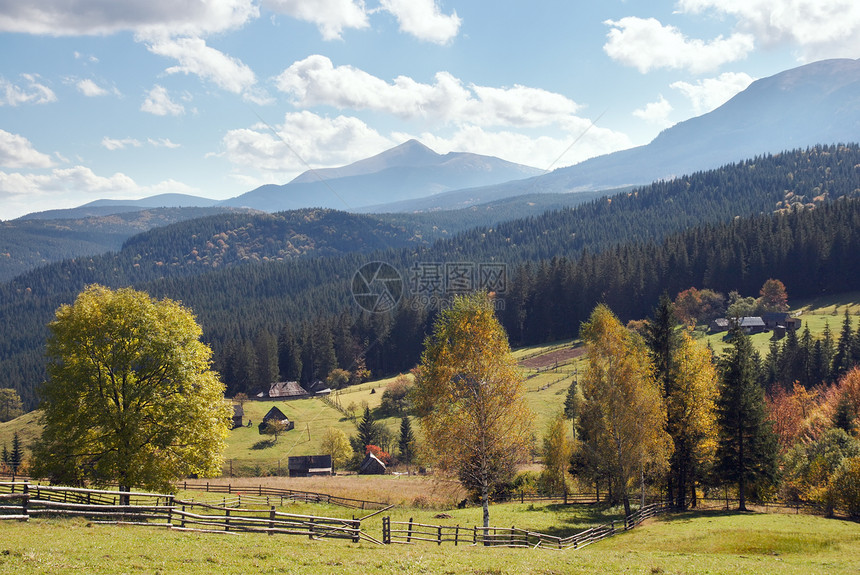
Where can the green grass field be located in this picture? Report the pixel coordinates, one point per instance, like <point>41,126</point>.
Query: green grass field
<point>690,543</point>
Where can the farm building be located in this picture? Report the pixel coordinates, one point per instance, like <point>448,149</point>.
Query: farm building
<point>308,465</point>
<point>719,325</point>
<point>276,415</point>
<point>284,390</point>
<point>371,466</point>
<point>238,416</point>
<point>751,325</point>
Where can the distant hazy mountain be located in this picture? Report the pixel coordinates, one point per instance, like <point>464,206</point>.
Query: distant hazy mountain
<point>818,103</point>
<point>99,208</point>
<point>410,170</point>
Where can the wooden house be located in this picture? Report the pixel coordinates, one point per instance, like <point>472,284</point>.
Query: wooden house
<point>276,415</point>
<point>238,416</point>
<point>371,465</point>
<point>308,465</point>
<point>287,390</point>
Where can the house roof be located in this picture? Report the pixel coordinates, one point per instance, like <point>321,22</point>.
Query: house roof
<point>276,415</point>
<point>286,389</point>
<point>309,462</point>
<point>751,322</point>
<point>371,462</point>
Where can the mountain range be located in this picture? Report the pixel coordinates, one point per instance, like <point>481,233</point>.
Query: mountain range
<point>818,103</point>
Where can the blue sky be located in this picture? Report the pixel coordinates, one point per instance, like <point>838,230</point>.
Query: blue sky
<point>125,99</point>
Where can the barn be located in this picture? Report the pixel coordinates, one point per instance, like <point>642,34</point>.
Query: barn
<point>308,465</point>
<point>277,415</point>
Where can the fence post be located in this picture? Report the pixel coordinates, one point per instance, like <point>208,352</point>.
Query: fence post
<point>474,535</point>
<point>409,531</point>
<point>386,530</point>
<point>311,527</point>
<point>227,520</point>
<point>512,535</point>
<point>170,510</point>
<point>456,534</point>
<point>25,501</point>
<point>439,541</point>
<point>182,524</point>
<point>271,518</point>
<point>356,525</point>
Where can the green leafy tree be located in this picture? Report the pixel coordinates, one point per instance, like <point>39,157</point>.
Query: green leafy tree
<point>130,396</point>
<point>747,446</point>
<point>336,443</point>
<point>10,404</point>
<point>469,396</point>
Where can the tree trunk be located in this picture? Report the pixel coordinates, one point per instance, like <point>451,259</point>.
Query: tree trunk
<point>742,496</point>
<point>485,502</point>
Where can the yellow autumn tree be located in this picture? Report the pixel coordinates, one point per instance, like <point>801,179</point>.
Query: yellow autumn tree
<point>130,396</point>
<point>692,409</point>
<point>623,420</point>
<point>470,399</point>
<point>557,450</point>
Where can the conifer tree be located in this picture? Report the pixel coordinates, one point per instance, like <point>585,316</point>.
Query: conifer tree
<point>406,441</point>
<point>747,446</point>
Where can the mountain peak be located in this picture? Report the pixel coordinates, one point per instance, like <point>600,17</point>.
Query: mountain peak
<point>411,153</point>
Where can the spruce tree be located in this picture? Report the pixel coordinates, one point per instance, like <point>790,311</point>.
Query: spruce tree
<point>367,432</point>
<point>746,444</point>
<point>406,442</point>
<point>842,360</point>
<point>663,341</point>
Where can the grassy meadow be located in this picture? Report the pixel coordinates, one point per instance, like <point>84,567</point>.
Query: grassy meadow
<point>690,543</point>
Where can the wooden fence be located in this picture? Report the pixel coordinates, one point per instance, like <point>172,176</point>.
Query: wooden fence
<point>283,494</point>
<point>23,501</point>
<point>407,532</point>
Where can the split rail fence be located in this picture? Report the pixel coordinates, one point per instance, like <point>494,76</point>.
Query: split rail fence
<point>22,501</point>
<point>408,532</point>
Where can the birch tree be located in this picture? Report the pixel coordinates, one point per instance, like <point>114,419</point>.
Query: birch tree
<point>470,399</point>
<point>623,416</point>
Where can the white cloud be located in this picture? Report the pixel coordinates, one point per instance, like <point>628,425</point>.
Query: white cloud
<point>710,93</point>
<point>304,140</point>
<point>310,140</point>
<point>34,92</point>
<point>162,143</point>
<point>90,89</point>
<point>103,17</point>
<point>114,144</point>
<point>646,44</point>
<point>332,17</point>
<point>656,113</point>
<point>195,57</point>
<point>158,102</point>
<point>17,152</point>
<point>315,81</point>
<point>26,192</point>
<point>828,29</point>
<point>423,19</point>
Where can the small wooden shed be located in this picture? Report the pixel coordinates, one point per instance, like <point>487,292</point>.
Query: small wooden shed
<point>276,414</point>
<point>238,416</point>
<point>308,465</point>
<point>371,465</point>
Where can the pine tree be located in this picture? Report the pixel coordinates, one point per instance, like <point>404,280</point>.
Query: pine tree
<point>842,358</point>
<point>406,442</point>
<point>367,432</point>
<point>663,341</point>
<point>746,446</point>
<point>16,455</point>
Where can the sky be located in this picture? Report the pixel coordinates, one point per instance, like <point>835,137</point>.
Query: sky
<point>132,98</point>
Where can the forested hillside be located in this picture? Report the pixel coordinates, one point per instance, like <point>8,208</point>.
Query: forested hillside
<point>28,243</point>
<point>619,250</point>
